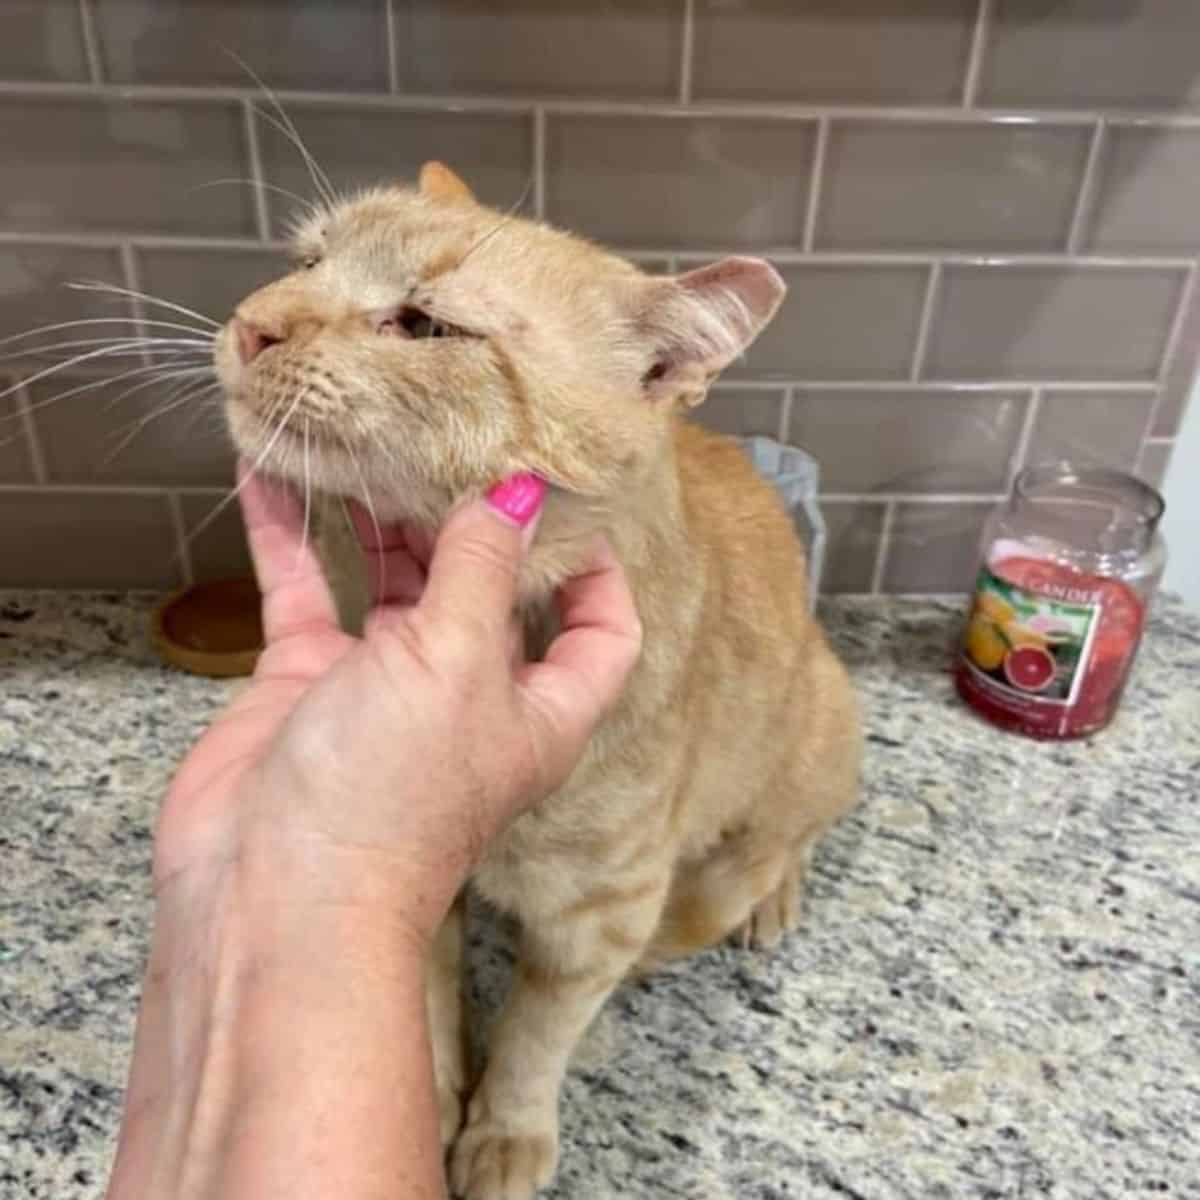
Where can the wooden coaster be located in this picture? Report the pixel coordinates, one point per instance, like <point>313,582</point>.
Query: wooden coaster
<point>212,629</point>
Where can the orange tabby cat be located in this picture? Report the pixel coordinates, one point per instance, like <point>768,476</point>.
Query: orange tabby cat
<point>425,348</point>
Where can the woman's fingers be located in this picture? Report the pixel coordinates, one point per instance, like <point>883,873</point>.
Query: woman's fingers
<point>586,667</point>
<point>295,595</point>
<point>472,581</point>
<point>393,557</point>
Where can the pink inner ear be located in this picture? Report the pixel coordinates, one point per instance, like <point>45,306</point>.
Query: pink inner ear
<point>755,282</point>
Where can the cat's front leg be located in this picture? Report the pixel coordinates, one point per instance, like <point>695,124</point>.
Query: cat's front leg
<point>447,1028</point>
<point>569,963</point>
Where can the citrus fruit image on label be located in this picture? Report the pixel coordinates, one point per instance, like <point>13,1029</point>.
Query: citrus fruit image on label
<point>1030,643</point>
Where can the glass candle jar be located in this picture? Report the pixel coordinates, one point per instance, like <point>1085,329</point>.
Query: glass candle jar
<point>1070,563</point>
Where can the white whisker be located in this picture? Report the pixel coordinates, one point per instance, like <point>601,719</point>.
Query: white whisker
<point>98,285</point>
<point>101,382</point>
<point>55,368</point>
<point>28,333</point>
<point>287,127</point>
<point>141,345</point>
<point>371,513</point>
<point>163,376</point>
<point>182,394</point>
<point>307,501</point>
<point>197,530</point>
<point>322,185</point>
<point>504,220</point>
<point>270,187</point>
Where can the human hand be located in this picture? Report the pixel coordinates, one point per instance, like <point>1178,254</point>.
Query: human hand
<point>364,769</point>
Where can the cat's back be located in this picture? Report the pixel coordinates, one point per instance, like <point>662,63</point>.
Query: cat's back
<point>738,522</point>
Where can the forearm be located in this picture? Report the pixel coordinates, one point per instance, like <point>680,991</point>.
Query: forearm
<point>279,1056</point>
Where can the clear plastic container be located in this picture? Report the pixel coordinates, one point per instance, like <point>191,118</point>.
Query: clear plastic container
<point>797,477</point>
<point>1070,564</point>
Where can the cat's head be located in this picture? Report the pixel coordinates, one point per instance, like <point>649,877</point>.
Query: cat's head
<point>426,347</point>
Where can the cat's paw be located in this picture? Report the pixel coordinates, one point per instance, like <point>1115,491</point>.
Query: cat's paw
<point>777,913</point>
<point>491,1162</point>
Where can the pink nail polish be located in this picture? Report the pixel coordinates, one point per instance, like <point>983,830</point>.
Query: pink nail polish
<point>519,497</point>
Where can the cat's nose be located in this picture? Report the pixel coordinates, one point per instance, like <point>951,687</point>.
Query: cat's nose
<point>251,339</point>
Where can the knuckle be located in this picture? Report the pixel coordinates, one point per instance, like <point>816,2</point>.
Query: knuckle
<point>483,552</point>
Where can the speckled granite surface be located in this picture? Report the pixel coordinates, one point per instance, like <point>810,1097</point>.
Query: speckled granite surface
<point>997,993</point>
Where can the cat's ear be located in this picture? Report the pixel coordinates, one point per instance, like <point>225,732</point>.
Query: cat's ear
<point>438,182</point>
<point>700,322</point>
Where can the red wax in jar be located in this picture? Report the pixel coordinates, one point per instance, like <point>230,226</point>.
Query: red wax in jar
<point>1012,673</point>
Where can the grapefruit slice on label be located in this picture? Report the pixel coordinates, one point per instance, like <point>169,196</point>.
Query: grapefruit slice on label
<point>1029,668</point>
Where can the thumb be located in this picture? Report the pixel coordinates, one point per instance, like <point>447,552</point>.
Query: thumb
<point>473,573</point>
<point>586,667</point>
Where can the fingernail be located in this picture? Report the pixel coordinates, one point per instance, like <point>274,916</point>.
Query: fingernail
<point>519,497</point>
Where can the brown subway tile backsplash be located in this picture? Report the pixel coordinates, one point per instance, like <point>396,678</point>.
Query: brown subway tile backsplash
<point>933,547</point>
<point>492,152</point>
<point>211,282</point>
<point>909,441</point>
<point>218,550</point>
<point>16,462</point>
<point>679,182</point>
<point>829,51</point>
<point>1103,427</point>
<point>42,40</point>
<point>1143,203</point>
<point>125,432</point>
<point>841,322</point>
<point>1020,322</point>
<point>34,293</point>
<point>921,186</point>
<point>742,411</point>
<point>852,532</point>
<point>340,46</point>
<point>626,48</point>
<point>986,215</point>
<point>104,165</point>
<point>86,540</point>
<point>1085,53</point>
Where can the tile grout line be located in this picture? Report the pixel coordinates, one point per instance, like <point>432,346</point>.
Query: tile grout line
<point>33,441</point>
<point>883,550</point>
<point>393,62</point>
<point>1170,347</point>
<point>539,163</point>
<point>133,281</point>
<point>785,414</point>
<point>814,184</point>
<point>183,549</point>
<point>262,213</point>
<point>91,43</point>
<point>1087,188</point>
<point>929,304</point>
<point>785,255</point>
<point>1021,450</point>
<point>687,43</point>
<point>483,103</point>
<point>975,54</point>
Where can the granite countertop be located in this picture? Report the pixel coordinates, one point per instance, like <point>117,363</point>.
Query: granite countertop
<point>996,993</point>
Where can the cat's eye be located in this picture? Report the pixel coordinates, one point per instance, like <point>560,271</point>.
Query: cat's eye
<point>413,322</point>
<point>309,262</point>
